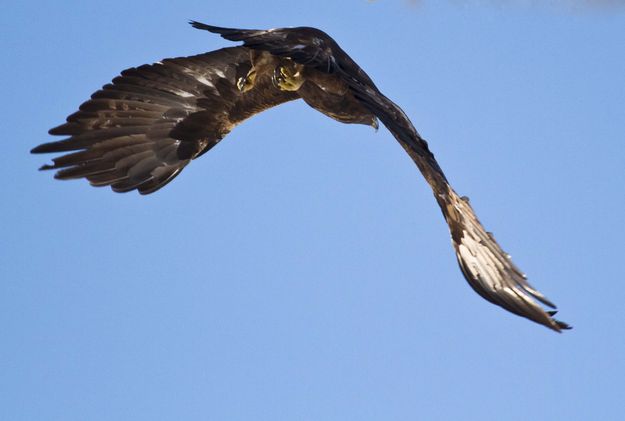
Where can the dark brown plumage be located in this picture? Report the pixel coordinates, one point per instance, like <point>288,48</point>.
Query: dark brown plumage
<point>141,130</point>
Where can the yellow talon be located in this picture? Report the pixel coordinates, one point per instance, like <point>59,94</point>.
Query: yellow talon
<point>247,82</point>
<point>287,81</point>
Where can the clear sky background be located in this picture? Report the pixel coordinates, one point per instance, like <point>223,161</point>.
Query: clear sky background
<point>302,270</point>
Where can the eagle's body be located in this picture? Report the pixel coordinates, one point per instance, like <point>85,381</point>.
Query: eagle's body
<point>140,131</point>
<point>324,92</point>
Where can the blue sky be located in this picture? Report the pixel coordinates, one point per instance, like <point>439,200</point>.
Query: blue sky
<point>302,270</point>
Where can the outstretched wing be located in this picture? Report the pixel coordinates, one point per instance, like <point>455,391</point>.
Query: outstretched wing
<point>487,268</point>
<point>141,130</point>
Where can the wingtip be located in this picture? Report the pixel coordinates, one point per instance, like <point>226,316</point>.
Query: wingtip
<point>209,28</point>
<point>540,297</point>
<point>196,24</point>
<point>59,130</point>
<point>46,147</point>
<point>556,324</point>
<point>39,149</point>
<point>562,325</point>
<point>230,34</point>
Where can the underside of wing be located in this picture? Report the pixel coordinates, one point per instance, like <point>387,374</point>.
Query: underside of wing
<point>489,270</point>
<point>486,267</point>
<point>142,129</point>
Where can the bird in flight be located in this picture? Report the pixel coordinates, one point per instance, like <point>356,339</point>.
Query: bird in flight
<point>140,131</point>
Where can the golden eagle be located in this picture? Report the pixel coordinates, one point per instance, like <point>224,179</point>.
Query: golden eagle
<point>141,130</point>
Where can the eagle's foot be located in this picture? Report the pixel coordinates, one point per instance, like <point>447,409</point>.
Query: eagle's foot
<point>246,82</point>
<point>287,77</point>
